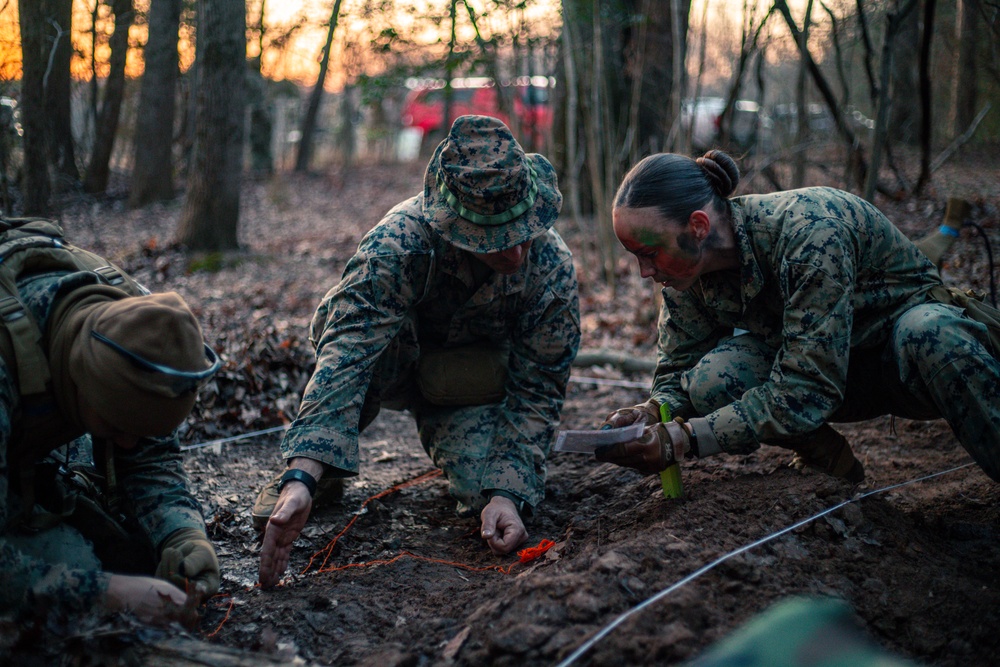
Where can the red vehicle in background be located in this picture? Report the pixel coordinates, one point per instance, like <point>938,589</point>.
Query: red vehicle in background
<point>424,106</point>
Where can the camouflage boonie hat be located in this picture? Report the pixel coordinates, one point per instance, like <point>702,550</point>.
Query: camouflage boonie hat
<point>483,193</point>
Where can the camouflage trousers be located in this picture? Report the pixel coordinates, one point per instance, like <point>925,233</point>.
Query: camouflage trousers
<point>456,437</point>
<point>936,364</point>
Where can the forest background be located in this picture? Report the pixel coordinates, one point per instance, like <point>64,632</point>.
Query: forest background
<point>237,151</point>
<point>168,97</point>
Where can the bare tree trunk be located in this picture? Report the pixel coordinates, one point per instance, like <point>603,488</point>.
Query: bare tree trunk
<point>95,87</point>
<point>308,127</point>
<point>261,121</point>
<point>845,90</point>
<point>597,146</point>
<point>968,73</point>
<point>684,145</point>
<point>869,57</point>
<point>893,23</point>
<point>211,211</point>
<point>749,38</point>
<point>345,137</point>
<point>574,160</point>
<point>927,36</point>
<point>449,75</point>
<point>35,49</point>
<point>623,56</point>
<point>802,104</point>
<point>505,100</point>
<point>855,155</point>
<point>62,154</point>
<point>637,66</point>
<point>153,170</point>
<point>98,171</point>
<point>679,11</point>
<point>903,82</point>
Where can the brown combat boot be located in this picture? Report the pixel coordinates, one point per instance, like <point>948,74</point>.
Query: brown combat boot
<point>328,489</point>
<point>827,451</point>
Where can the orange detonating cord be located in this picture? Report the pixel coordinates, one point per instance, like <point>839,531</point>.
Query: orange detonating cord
<point>531,553</point>
<point>526,555</point>
<point>229,611</point>
<point>427,559</point>
<point>328,549</point>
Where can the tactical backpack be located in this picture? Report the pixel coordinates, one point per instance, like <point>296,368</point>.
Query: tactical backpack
<point>37,245</point>
<point>33,246</point>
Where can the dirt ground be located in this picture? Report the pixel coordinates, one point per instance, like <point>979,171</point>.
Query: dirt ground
<point>913,550</point>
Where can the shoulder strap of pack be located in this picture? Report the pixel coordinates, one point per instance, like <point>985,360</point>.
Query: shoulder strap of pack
<point>36,245</point>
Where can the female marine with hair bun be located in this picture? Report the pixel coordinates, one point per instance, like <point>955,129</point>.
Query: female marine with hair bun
<point>784,312</point>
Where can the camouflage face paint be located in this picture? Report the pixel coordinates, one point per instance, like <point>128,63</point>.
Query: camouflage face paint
<point>667,253</point>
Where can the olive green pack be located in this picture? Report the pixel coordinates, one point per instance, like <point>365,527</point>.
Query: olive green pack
<point>37,245</point>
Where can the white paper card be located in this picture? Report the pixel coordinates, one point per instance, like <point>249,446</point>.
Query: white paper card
<point>587,441</point>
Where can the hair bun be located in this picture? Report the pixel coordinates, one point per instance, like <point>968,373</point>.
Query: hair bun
<point>721,171</point>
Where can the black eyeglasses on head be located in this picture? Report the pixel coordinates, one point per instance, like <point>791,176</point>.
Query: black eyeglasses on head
<point>180,382</point>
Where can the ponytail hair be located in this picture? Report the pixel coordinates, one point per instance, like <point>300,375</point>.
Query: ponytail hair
<point>677,186</point>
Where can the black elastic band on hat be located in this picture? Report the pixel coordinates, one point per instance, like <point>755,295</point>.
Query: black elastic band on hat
<point>515,211</point>
<point>181,382</point>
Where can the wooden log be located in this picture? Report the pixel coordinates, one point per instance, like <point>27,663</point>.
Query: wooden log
<point>188,652</point>
<point>622,360</point>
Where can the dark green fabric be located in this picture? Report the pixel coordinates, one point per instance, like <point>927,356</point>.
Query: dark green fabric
<point>468,375</point>
<point>800,632</point>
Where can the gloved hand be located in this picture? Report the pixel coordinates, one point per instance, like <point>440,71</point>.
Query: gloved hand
<point>188,559</point>
<point>647,413</point>
<point>827,451</point>
<point>660,446</point>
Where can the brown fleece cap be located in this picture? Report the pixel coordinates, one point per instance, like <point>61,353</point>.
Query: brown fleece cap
<point>161,329</point>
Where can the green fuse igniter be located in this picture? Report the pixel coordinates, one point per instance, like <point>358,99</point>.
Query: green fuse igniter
<point>670,478</point>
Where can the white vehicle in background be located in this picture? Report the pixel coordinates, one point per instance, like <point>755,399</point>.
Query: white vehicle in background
<point>702,119</point>
<point>10,116</point>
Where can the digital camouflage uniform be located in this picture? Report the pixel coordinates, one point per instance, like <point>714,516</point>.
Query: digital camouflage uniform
<point>55,570</point>
<point>840,327</point>
<point>407,291</point>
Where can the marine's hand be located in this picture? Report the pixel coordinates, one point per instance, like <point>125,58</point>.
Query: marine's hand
<point>659,446</point>
<point>188,559</point>
<point>502,527</point>
<point>153,601</point>
<point>647,413</point>
<point>287,520</point>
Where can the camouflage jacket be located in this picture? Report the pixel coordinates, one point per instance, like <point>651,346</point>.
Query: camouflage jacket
<point>152,484</point>
<point>821,272</point>
<point>405,271</point>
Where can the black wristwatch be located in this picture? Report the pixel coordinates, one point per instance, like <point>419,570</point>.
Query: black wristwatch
<point>296,475</point>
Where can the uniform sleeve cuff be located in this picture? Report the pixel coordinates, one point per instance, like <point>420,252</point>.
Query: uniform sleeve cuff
<point>707,443</point>
<point>518,502</point>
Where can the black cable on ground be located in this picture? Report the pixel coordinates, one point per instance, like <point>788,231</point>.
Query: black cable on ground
<point>989,256</point>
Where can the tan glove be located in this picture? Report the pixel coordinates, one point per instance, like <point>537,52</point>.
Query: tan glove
<point>658,448</point>
<point>827,451</point>
<point>188,559</point>
<point>646,413</point>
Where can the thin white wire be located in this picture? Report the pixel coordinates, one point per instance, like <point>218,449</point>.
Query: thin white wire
<point>583,648</point>
<point>275,429</point>
<point>234,438</point>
